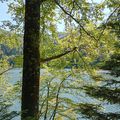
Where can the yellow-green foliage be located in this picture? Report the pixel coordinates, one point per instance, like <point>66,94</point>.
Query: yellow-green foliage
<point>18,60</point>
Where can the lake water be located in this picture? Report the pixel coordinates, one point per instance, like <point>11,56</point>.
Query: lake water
<point>111,105</point>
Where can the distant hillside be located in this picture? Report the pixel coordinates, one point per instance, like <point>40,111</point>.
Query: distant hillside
<point>5,49</point>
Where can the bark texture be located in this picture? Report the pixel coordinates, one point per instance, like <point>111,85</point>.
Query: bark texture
<point>31,62</point>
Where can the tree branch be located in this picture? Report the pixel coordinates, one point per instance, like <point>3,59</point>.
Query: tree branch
<point>57,56</point>
<point>6,70</point>
<point>77,21</point>
<point>48,94</point>
<point>105,25</point>
<point>41,1</point>
<point>57,98</point>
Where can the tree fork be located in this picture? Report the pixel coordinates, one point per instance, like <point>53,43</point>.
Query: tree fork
<point>31,61</point>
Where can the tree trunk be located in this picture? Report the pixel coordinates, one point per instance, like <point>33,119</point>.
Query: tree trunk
<point>31,62</point>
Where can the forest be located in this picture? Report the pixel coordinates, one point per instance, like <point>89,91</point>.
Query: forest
<point>60,60</point>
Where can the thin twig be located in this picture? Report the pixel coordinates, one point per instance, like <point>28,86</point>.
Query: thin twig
<point>48,87</point>
<point>42,105</point>
<point>85,64</point>
<point>106,23</point>
<point>77,21</point>
<point>6,70</point>
<point>57,98</point>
